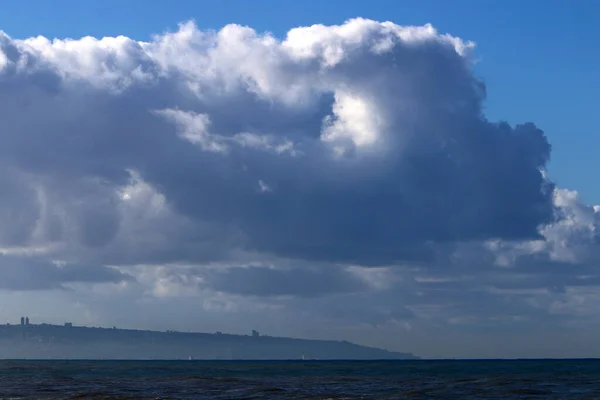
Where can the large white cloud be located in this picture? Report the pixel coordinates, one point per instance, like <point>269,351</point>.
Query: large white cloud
<point>235,162</point>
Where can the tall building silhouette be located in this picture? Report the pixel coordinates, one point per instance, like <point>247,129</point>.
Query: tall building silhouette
<point>22,321</point>
<point>26,320</point>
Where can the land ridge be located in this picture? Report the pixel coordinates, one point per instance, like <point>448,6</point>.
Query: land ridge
<point>47,341</point>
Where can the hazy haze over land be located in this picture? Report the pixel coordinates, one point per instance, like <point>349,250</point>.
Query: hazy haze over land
<point>338,182</point>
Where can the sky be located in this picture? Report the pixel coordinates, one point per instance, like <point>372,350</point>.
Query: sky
<point>417,176</point>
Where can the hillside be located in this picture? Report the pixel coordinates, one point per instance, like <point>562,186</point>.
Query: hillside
<point>46,341</point>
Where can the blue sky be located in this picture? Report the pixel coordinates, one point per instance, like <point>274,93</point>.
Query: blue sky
<point>341,184</point>
<point>538,59</point>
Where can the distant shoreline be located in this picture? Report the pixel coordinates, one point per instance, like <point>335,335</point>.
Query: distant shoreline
<point>46,341</point>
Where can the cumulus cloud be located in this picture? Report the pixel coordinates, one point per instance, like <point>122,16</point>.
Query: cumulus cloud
<point>289,164</point>
<point>392,148</point>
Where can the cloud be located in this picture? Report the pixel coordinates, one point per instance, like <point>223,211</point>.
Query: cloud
<point>296,281</point>
<point>35,273</point>
<point>369,136</point>
<point>250,166</point>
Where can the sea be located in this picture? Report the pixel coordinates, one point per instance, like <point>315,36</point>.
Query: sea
<point>420,379</point>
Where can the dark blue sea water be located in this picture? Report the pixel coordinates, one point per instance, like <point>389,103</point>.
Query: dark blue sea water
<point>547,379</point>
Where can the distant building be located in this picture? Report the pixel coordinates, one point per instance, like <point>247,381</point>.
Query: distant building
<point>69,324</point>
<point>22,321</point>
<point>26,320</point>
<point>255,333</point>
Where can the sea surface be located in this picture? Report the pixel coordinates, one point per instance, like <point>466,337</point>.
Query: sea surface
<point>527,379</point>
